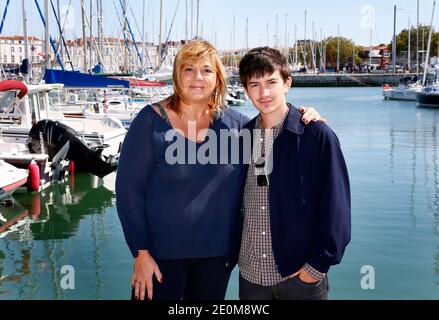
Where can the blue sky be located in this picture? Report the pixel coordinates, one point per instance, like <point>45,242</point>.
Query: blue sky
<point>217,17</point>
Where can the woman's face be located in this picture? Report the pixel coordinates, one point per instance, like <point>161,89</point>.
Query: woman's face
<point>198,80</point>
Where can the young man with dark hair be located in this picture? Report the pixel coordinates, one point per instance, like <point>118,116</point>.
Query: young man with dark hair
<point>297,218</point>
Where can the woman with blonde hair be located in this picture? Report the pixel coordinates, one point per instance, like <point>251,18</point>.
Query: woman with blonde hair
<point>181,215</point>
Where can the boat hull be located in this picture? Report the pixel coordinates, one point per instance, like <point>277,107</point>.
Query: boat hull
<point>428,99</point>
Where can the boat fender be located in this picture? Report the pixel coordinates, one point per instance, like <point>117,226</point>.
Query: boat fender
<point>33,180</point>
<point>72,167</point>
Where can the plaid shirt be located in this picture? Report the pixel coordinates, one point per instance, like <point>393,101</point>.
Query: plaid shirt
<point>256,258</point>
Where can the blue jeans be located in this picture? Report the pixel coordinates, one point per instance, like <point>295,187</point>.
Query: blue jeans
<point>290,289</point>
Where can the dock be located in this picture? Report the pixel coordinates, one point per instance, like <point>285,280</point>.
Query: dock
<point>343,79</point>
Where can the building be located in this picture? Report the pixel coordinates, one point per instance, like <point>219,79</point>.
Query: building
<point>378,55</point>
<point>12,50</point>
<point>119,55</point>
<point>116,55</point>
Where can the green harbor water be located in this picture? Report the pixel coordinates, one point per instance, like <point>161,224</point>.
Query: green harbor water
<point>391,149</point>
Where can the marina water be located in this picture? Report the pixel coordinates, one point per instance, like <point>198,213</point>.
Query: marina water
<point>391,149</point>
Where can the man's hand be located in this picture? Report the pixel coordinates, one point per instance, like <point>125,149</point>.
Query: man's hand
<point>305,277</point>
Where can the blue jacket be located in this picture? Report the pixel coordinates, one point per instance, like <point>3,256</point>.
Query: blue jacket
<point>178,211</point>
<point>309,196</point>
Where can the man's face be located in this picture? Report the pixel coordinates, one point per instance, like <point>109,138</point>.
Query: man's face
<point>268,92</point>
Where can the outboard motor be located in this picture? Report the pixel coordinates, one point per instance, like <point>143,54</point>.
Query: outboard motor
<point>60,141</point>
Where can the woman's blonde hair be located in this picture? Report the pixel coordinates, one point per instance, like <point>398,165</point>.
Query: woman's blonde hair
<point>190,52</point>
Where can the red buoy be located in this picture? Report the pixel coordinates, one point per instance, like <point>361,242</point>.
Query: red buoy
<point>33,180</point>
<point>72,167</point>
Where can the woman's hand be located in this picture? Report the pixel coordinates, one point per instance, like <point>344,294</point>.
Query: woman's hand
<point>145,268</point>
<point>310,114</point>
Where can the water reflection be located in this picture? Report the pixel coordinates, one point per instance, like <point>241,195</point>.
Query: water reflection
<point>38,231</point>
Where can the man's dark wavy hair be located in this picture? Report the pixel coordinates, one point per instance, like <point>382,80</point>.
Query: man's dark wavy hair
<point>262,61</point>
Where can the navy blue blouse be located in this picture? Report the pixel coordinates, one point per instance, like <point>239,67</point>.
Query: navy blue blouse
<point>185,209</point>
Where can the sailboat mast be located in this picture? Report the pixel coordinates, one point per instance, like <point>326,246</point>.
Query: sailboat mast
<point>394,41</point>
<point>371,36</point>
<point>233,36</point>
<point>429,45</point>
<point>295,46</point>
<point>246,34</point>
<point>160,35</point>
<point>91,35</point>
<point>192,19</point>
<point>276,39</point>
<point>26,40</point>
<point>84,36</point>
<point>417,40</point>
<point>312,46</point>
<point>60,31</point>
<point>286,35</point>
<point>321,49</point>
<point>338,48</point>
<point>409,47</point>
<point>101,30</point>
<point>304,51</point>
<point>198,17</point>
<point>143,35</point>
<point>47,35</point>
<point>268,37</point>
<point>124,30</point>
<point>185,25</point>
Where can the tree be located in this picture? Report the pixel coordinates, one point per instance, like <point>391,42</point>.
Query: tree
<point>330,44</point>
<point>402,42</point>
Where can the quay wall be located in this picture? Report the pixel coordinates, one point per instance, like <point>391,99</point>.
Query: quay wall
<point>346,80</point>
<point>343,79</point>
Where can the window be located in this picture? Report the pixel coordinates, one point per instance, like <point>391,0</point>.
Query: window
<point>20,49</point>
<point>12,49</point>
<point>42,101</point>
<point>5,58</point>
<point>13,59</point>
<point>33,100</point>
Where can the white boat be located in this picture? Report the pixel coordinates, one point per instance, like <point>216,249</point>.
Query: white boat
<point>42,171</point>
<point>103,137</point>
<point>406,90</point>
<point>11,178</point>
<point>235,96</point>
<point>231,101</point>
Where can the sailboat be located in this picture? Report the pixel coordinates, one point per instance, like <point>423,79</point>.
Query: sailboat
<point>408,86</point>
<point>11,178</point>
<point>429,96</point>
<point>406,90</point>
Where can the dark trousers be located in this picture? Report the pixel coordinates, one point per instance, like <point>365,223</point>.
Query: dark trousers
<point>290,289</point>
<point>191,279</point>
